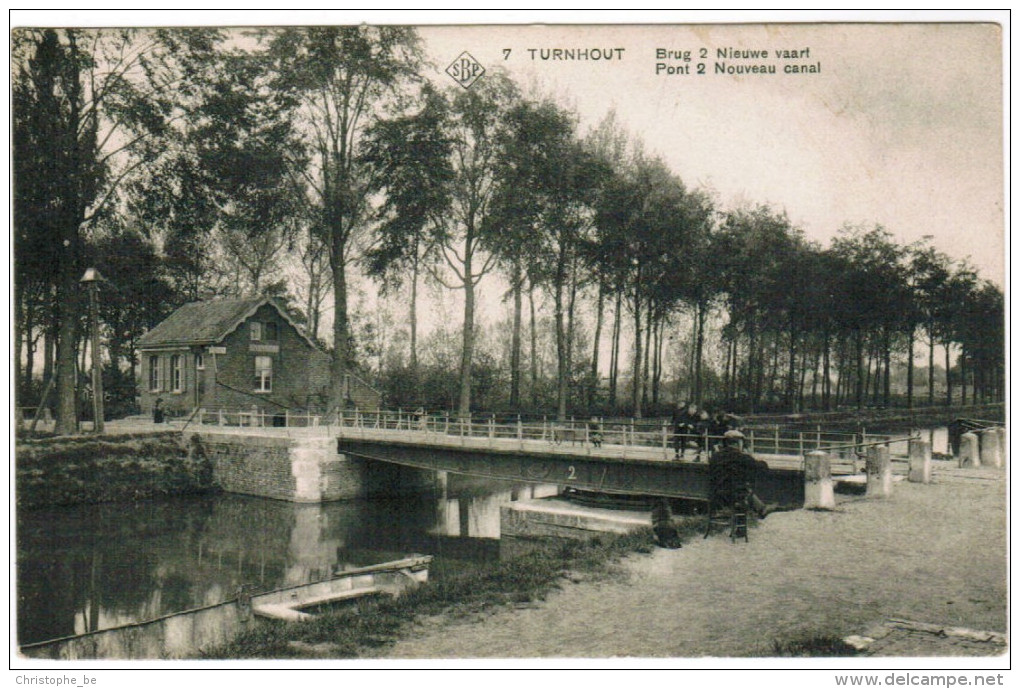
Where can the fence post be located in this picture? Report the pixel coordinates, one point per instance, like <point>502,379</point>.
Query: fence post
<point>665,444</point>
<point>750,441</point>
<point>492,428</point>
<point>777,439</point>
<point>800,443</point>
<point>219,412</point>
<point>818,437</point>
<point>520,432</point>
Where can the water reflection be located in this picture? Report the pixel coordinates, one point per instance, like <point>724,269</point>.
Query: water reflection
<point>93,567</point>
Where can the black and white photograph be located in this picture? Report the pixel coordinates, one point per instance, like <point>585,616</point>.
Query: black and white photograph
<point>675,343</point>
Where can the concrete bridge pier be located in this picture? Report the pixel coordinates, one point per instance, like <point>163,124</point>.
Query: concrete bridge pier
<point>301,469</point>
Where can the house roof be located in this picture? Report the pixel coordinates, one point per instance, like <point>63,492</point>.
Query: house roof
<point>208,322</point>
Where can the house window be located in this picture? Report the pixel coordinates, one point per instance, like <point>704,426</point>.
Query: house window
<point>176,379</point>
<point>271,332</point>
<point>256,331</point>
<point>153,374</point>
<point>199,363</point>
<point>263,373</point>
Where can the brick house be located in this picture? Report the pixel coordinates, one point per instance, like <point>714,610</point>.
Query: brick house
<point>238,353</point>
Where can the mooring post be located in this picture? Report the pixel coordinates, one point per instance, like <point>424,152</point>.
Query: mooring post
<point>991,453</point>
<point>818,490</point>
<point>1001,430</point>
<point>969,450</point>
<point>879,470</point>
<point>920,461</point>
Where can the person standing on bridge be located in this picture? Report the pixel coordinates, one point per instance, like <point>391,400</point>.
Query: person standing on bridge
<point>733,471</point>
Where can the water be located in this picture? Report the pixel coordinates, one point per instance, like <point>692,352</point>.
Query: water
<point>93,567</point>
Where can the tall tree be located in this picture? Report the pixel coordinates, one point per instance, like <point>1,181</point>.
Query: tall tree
<point>546,194</point>
<point>409,159</point>
<point>106,100</point>
<point>477,118</point>
<point>342,77</point>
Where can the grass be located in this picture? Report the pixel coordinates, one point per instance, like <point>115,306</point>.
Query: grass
<point>819,646</point>
<point>521,580</point>
<point>88,469</point>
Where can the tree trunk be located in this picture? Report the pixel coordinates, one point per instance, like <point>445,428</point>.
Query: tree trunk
<point>413,317</point>
<point>515,341</point>
<point>791,373</point>
<point>571,304</point>
<point>21,333</point>
<point>949,382</point>
<point>826,373</point>
<point>931,370</point>
<point>887,364</point>
<point>593,383</point>
<point>614,356</point>
<point>647,352</point>
<point>636,387</point>
<point>561,344</point>
<point>963,380</point>
<point>699,345</point>
<point>859,357</point>
<point>341,362</point>
<point>534,348</point>
<point>468,350</point>
<point>910,369</point>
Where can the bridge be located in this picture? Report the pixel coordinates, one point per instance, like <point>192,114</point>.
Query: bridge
<point>624,458</point>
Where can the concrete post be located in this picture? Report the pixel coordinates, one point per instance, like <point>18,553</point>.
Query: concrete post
<point>969,453</point>
<point>1001,430</point>
<point>879,470</point>
<point>818,494</point>
<point>991,452</point>
<point>920,462</point>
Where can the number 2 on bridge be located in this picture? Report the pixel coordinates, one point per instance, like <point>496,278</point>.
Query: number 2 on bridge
<point>571,473</point>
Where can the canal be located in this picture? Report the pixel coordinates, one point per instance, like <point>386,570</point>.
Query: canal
<point>99,566</point>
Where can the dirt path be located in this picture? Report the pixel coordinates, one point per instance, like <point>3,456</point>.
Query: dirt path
<point>932,553</point>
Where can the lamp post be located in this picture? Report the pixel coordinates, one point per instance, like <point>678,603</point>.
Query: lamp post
<point>91,280</point>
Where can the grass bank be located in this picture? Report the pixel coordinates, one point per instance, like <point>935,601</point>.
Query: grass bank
<point>74,470</point>
<point>511,583</point>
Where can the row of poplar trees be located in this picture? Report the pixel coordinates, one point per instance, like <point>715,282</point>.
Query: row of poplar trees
<point>188,163</point>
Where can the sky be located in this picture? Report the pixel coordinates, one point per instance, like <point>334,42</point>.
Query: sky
<point>897,124</point>
<point>901,126</point>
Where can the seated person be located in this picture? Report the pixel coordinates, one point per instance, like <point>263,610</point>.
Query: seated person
<point>733,474</point>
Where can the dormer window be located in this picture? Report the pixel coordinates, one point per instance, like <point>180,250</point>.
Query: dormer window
<point>256,331</point>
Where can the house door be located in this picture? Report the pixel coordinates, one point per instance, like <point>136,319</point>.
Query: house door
<point>199,379</point>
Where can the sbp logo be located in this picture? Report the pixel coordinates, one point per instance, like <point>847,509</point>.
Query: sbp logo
<point>465,70</point>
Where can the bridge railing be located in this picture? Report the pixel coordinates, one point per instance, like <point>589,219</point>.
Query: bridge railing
<point>605,437</point>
